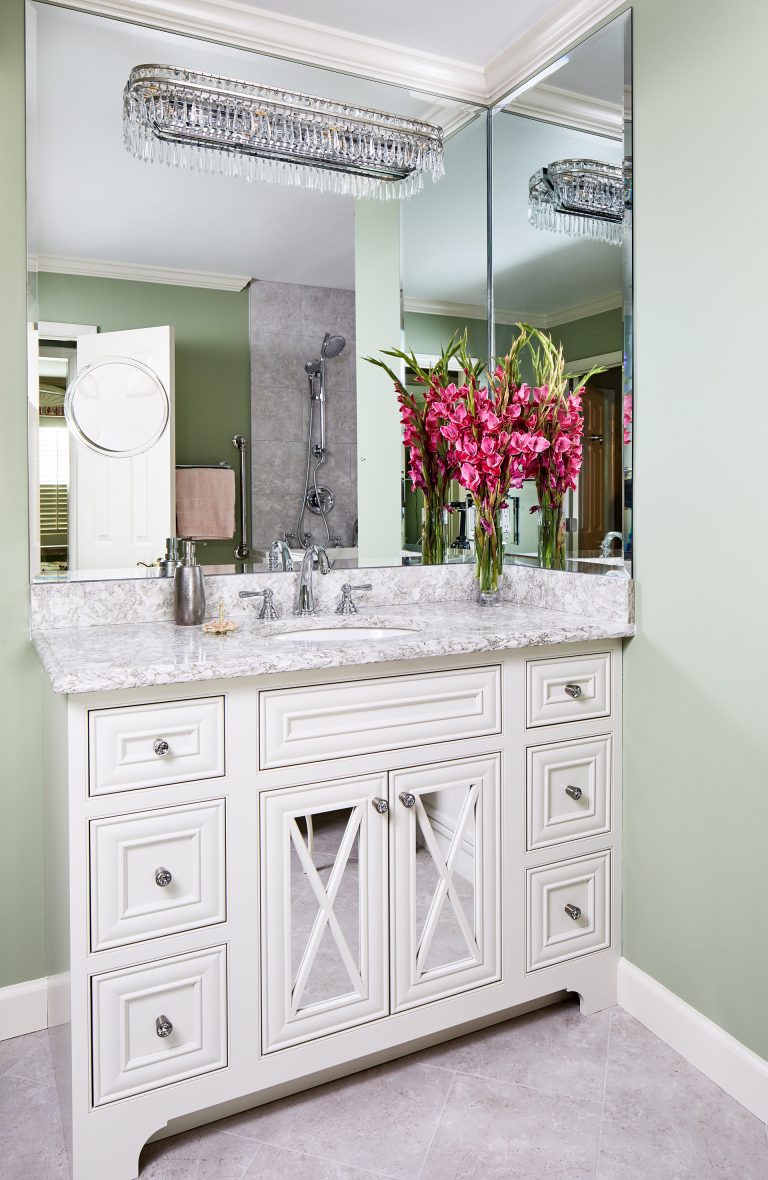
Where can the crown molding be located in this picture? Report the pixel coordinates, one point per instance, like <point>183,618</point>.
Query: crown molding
<point>553,105</point>
<point>230,23</point>
<point>96,268</point>
<point>538,319</point>
<point>544,42</point>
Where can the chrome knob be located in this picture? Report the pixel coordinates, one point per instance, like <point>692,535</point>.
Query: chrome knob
<point>407,799</point>
<point>381,806</point>
<point>161,747</point>
<point>573,690</point>
<point>573,911</point>
<point>163,1027</point>
<point>574,792</point>
<point>163,877</point>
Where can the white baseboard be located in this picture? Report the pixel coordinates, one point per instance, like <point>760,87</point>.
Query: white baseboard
<point>23,1008</point>
<point>718,1055</point>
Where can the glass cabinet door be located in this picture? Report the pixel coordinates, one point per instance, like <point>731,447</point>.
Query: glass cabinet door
<point>324,908</point>
<point>444,867</point>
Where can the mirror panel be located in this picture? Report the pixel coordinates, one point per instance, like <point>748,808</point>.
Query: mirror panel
<point>248,281</point>
<point>577,288</point>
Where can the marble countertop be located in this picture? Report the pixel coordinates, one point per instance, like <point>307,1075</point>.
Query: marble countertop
<point>136,655</point>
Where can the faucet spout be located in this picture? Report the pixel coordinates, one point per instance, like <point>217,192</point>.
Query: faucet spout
<point>607,541</point>
<point>315,553</point>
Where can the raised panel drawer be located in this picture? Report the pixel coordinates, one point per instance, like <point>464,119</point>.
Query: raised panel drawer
<point>303,725</point>
<point>156,873</point>
<point>568,789</point>
<point>154,745</point>
<point>132,1008</point>
<point>569,909</point>
<point>575,688</point>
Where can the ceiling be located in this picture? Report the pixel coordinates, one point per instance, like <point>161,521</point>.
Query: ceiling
<point>447,28</point>
<point>93,201</point>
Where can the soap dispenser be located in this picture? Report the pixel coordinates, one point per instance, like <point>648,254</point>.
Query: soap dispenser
<point>188,590</point>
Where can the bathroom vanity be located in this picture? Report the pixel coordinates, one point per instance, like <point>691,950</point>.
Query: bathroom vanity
<point>270,863</point>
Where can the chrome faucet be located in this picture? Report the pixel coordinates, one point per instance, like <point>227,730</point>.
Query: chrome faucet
<point>607,541</point>
<point>306,603</point>
<point>279,557</point>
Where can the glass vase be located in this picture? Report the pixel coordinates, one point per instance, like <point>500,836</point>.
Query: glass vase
<point>434,530</point>
<point>552,537</point>
<point>489,561</point>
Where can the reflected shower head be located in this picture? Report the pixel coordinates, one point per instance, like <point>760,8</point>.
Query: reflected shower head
<point>332,346</point>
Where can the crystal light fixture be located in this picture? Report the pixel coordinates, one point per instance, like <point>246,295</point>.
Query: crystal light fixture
<point>212,124</point>
<point>584,198</point>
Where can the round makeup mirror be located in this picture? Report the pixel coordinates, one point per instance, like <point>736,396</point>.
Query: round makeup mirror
<point>117,406</point>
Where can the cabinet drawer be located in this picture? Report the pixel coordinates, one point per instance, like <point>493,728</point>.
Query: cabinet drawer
<point>568,909</point>
<point>568,790</point>
<point>132,859</point>
<point>575,688</point>
<point>152,745</point>
<point>341,720</point>
<point>184,998</point>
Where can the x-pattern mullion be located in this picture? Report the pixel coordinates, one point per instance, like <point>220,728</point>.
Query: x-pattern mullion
<point>325,898</point>
<point>445,868</point>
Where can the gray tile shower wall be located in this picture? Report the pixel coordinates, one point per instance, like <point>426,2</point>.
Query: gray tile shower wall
<point>287,325</point>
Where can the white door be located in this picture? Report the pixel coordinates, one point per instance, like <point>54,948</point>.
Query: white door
<point>122,510</point>
<point>444,879</point>
<point>324,908</point>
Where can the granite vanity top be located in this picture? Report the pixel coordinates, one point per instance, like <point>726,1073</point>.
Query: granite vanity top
<point>136,655</point>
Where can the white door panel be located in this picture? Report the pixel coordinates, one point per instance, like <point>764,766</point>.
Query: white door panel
<point>123,509</point>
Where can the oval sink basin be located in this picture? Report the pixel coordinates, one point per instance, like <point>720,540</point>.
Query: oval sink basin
<point>341,634</point>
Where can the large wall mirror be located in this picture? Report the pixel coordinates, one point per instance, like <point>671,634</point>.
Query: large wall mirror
<point>572,276</point>
<point>246,300</point>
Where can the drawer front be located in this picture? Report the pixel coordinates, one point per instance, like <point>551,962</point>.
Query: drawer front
<point>574,688</point>
<point>304,725</point>
<point>568,909</point>
<point>568,791</point>
<point>156,873</point>
<point>152,745</point>
<point>184,998</point>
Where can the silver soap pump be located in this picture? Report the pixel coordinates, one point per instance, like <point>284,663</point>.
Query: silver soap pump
<point>188,590</point>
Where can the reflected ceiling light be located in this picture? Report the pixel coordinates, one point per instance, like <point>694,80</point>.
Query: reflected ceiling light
<point>207,123</point>
<point>583,198</point>
<point>534,81</point>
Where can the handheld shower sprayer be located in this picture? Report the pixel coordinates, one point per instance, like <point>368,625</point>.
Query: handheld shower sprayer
<point>318,499</point>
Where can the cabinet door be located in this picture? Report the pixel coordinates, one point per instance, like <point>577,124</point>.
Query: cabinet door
<point>324,908</point>
<point>444,879</point>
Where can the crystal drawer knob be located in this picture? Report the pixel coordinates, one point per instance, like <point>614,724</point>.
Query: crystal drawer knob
<point>161,747</point>
<point>163,1027</point>
<point>381,806</point>
<point>573,911</point>
<point>574,792</point>
<point>573,690</point>
<point>163,877</point>
<point>407,799</point>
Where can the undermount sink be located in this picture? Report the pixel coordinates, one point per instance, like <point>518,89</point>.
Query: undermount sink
<point>341,634</point>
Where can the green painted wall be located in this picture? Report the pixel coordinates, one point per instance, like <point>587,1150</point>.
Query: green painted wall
<point>591,336</point>
<point>21,834</point>
<point>212,356</point>
<point>696,750</point>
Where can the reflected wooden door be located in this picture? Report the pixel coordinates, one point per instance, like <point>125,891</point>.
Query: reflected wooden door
<point>600,482</point>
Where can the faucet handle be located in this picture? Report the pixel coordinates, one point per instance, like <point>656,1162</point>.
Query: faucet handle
<point>270,609</point>
<point>347,606</point>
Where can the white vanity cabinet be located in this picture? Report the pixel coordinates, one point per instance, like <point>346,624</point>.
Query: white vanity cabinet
<point>258,884</point>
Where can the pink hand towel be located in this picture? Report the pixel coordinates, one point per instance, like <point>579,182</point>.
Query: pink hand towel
<point>205,503</point>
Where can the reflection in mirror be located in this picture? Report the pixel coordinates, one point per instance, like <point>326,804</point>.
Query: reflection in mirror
<point>565,266</point>
<point>254,283</point>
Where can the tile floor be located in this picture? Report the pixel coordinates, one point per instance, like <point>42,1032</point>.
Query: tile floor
<point>550,1096</point>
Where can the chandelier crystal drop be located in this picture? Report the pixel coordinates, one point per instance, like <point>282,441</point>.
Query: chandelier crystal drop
<point>583,198</point>
<point>207,123</point>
